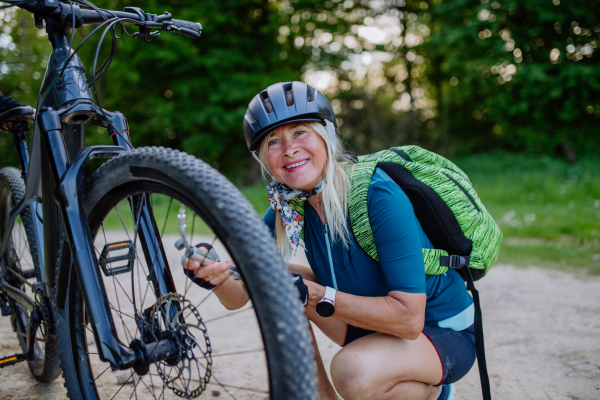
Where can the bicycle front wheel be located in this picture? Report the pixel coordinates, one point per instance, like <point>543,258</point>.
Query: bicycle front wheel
<point>259,351</point>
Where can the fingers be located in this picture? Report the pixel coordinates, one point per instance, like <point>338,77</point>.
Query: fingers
<point>195,264</point>
<point>215,273</point>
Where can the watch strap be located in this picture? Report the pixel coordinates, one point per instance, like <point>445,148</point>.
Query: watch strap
<point>329,294</point>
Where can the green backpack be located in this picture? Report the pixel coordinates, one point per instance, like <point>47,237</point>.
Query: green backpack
<point>445,203</point>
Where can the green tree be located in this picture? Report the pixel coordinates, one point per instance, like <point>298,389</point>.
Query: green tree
<point>518,75</point>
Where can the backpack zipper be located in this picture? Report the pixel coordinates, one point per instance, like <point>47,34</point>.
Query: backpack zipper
<point>326,232</point>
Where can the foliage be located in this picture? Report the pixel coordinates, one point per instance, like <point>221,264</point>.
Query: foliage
<point>524,70</point>
<point>548,210</point>
<point>455,77</point>
<point>175,91</point>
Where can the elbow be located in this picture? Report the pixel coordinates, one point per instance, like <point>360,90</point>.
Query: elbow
<point>410,328</point>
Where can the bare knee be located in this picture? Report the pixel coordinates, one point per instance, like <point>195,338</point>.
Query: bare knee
<point>352,376</point>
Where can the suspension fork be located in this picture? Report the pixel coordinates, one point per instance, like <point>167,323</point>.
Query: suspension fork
<point>64,183</point>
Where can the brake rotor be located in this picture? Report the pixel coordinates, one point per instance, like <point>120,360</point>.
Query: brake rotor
<point>189,371</point>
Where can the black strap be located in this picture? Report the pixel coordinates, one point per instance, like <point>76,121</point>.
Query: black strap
<point>454,262</point>
<point>457,262</point>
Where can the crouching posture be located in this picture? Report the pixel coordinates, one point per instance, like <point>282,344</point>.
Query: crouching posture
<point>405,334</point>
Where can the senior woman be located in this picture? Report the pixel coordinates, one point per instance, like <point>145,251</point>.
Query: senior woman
<point>405,335</point>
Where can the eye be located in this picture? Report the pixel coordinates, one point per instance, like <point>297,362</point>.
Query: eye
<point>273,142</point>
<point>299,133</point>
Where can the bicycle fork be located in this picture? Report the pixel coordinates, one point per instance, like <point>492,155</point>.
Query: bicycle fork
<point>64,183</point>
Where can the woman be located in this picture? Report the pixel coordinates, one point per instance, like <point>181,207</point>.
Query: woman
<point>405,335</point>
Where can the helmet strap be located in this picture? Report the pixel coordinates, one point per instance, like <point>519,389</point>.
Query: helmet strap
<point>331,133</point>
<point>263,165</point>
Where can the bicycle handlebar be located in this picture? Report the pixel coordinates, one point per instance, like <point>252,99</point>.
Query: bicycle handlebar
<point>54,9</point>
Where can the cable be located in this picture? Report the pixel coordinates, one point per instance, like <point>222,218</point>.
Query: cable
<point>77,49</point>
<point>108,28</point>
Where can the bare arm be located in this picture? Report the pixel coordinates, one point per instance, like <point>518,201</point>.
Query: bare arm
<point>399,313</point>
<point>230,292</point>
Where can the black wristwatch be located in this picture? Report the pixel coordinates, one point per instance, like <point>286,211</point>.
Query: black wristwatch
<point>326,306</point>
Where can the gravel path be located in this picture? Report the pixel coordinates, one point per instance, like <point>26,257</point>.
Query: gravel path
<point>541,332</point>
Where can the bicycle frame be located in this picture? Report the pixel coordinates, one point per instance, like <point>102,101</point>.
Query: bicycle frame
<point>58,147</point>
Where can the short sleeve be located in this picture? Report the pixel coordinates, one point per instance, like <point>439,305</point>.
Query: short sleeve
<point>397,237</point>
<point>269,220</point>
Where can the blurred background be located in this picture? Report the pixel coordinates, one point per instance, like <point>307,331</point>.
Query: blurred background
<point>509,90</point>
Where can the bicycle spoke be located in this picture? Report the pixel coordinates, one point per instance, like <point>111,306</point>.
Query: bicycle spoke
<point>128,334</point>
<point>88,328</point>
<point>166,218</point>
<point>228,315</point>
<point>147,388</point>
<point>107,368</point>
<point>115,395</point>
<point>241,388</point>
<point>233,353</point>
<point>115,286</point>
<point>127,315</point>
<point>134,387</point>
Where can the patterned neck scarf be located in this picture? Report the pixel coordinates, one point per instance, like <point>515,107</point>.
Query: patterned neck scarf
<point>279,196</point>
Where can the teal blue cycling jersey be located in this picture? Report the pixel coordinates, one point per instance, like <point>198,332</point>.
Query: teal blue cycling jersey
<point>399,238</point>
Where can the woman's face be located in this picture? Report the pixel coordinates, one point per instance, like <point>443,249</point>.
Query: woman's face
<point>297,155</point>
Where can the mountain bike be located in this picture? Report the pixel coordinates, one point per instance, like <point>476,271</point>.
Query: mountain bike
<point>91,272</point>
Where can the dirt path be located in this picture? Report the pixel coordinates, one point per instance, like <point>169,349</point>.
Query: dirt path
<point>542,340</point>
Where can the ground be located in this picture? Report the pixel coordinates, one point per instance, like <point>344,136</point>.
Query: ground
<point>541,331</point>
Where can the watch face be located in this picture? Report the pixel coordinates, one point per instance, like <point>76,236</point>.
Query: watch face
<point>325,309</point>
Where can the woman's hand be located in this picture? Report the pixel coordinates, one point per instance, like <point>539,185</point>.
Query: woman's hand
<point>315,292</point>
<point>211,271</point>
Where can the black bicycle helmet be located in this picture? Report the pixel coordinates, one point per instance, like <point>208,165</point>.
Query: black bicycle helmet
<point>282,103</point>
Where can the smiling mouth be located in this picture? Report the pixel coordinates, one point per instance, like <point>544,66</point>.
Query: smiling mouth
<point>296,165</point>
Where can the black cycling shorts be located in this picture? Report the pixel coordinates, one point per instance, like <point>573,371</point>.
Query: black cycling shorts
<point>456,349</point>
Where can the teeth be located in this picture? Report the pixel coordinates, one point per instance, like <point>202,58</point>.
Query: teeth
<point>297,164</point>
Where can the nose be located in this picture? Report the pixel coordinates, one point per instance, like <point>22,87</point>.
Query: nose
<point>290,148</point>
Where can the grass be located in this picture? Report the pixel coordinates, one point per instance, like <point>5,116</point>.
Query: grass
<point>548,210</point>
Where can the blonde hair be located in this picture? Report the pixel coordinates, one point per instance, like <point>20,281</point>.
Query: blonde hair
<point>334,195</point>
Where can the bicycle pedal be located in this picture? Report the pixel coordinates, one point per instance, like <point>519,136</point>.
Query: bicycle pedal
<point>115,252</point>
<point>12,360</point>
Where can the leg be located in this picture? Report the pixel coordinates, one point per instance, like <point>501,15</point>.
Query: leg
<point>324,387</point>
<point>381,366</point>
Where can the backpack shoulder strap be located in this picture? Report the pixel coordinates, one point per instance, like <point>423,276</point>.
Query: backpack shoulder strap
<point>360,175</point>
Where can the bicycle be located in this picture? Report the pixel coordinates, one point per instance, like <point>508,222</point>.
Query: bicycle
<point>101,251</point>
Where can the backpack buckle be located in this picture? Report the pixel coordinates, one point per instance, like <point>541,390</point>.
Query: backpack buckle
<point>456,262</point>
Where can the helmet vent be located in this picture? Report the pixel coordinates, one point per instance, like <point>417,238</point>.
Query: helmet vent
<point>268,106</point>
<point>289,98</point>
<point>310,93</point>
<point>323,110</point>
<point>250,117</point>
